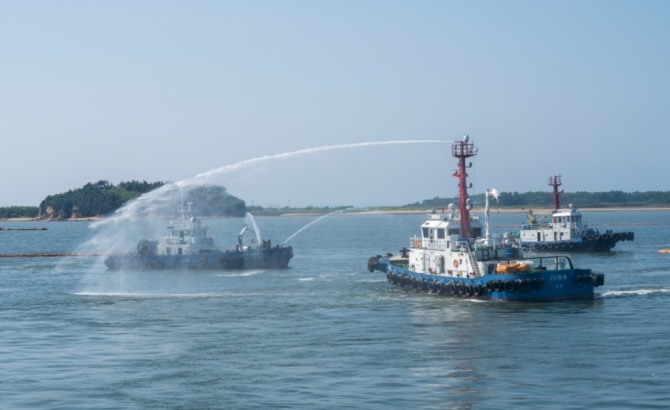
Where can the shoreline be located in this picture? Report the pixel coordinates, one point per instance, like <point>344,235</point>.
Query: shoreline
<point>364,211</point>
<point>536,211</point>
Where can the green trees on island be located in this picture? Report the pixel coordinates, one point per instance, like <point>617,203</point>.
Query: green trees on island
<point>102,198</point>
<point>93,199</point>
<point>213,200</point>
<point>580,199</point>
<point>18,212</point>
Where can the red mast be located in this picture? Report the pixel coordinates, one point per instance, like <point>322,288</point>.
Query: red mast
<point>463,150</point>
<point>555,181</point>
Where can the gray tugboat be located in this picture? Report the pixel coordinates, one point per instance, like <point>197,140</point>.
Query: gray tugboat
<point>187,246</point>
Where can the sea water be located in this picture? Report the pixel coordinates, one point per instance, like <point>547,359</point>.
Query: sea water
<point>326,333</point>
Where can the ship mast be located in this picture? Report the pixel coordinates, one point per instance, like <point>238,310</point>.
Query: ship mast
<point>462,150</point>
<point>555,181</point>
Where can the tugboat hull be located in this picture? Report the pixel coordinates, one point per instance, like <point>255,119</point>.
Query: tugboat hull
<point>534,286</point>
<point>273,258</point>
<point>601,243</point>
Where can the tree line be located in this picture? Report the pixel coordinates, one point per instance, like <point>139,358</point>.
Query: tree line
<point>581,199</point>
<point>102,198</point>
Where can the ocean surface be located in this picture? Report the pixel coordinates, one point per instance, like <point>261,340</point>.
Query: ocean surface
<point>325,333</point>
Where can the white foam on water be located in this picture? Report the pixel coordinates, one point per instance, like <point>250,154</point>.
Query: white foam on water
<point>240,273</point>
<point>635,292</point>
<point>150,295</point>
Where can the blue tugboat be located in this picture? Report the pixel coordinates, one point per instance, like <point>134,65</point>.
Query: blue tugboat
<point>451,257</point>
<point>566,232</point>
<point>187,246</point>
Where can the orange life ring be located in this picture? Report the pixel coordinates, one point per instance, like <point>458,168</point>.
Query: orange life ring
<point>455,263</point>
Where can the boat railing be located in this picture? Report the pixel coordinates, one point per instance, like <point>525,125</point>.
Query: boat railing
<point>541,225</point>
<point>432,244</point>
<point>538,263</point>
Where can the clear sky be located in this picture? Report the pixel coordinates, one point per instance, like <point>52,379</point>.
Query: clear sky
<point>166,90</point>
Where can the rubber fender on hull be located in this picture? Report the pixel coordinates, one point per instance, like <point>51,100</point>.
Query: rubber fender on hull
<point>437,287</point>
<point>467,289</point>
<point>418,284</point>
<point>477,289</point>
<point>510,285</point>
<point>451,287</point>
<point>523,285</point>
<point>372,262</point>
<point>584,279</point>
<point>498,285</point>
<point>599,279</point>
<point>444,288</point>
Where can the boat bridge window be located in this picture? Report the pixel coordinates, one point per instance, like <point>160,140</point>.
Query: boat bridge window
<point>424,232</point>
<point>454,231</point>
<point>476,232</point>
<point>441,234</point>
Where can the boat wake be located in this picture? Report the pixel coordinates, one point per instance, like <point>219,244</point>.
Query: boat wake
<point>634,292</point>
<point>149,295</point>
<point>240,273</point>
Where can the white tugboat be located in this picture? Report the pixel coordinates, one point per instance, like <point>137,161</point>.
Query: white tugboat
<point>450,257</point>
<point>566,232</point>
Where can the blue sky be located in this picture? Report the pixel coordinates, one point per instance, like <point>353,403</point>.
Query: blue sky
<point>166,90</point>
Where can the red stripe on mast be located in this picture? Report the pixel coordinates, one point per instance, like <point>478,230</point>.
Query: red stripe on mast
<point>462,150</point>
<point>555,181</point>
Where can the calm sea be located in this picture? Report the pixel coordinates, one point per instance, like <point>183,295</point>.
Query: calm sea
<point>326,333</point>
